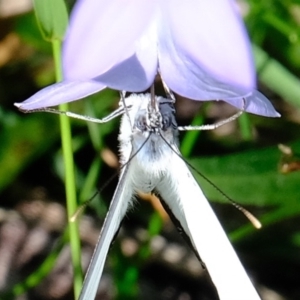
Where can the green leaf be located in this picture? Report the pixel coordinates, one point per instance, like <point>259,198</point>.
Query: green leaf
<point>52,18</point>
<point>251,177</point>
<point>22,142</point>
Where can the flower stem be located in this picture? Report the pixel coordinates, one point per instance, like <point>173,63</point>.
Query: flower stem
<point>66,139</point>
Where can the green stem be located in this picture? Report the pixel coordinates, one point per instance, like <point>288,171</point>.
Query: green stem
<point>66,139</point>
<point>245,127</point>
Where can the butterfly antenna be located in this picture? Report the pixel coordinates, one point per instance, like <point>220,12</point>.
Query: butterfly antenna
<point>87,202</point>
<point>254,221</point>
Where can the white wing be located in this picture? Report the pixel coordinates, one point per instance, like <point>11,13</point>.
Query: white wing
<point>116,212</point>
<point>184,197</point>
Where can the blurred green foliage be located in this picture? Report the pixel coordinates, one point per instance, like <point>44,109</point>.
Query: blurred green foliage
<point>244,164</point>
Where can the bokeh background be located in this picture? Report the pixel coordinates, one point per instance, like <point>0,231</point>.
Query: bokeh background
<point>254,160</point>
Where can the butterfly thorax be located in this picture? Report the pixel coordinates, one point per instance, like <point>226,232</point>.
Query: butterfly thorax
<point>147,135</point>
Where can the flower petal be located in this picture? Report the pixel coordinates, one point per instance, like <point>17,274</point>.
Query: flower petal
<point>129,76</point>
<point>208,36</point>
<point>208,57</point>
<point>136,73</point>
<point>256,103</point>
<point>103,33</point>
<point>62,92</point>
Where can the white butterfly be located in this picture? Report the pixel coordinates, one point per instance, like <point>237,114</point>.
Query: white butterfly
<point>151,163</point>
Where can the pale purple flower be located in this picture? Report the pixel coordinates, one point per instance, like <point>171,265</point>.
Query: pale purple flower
<point>199,47</point>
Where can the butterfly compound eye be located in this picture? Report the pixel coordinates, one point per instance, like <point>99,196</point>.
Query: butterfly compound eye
<point>168,115</point>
